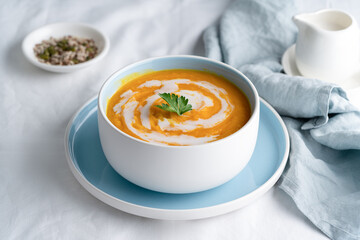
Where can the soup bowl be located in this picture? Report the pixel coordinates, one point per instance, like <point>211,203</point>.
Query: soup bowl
<point>177,169</point>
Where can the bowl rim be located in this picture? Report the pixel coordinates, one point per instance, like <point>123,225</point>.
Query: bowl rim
<point>60,68</point>
<point>256,108</point>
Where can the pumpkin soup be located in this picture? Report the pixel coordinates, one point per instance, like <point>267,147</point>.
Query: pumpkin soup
<point>219,108</point>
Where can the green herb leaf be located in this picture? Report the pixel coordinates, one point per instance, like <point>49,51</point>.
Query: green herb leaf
<point>175,104</point>
<point>51,50</point>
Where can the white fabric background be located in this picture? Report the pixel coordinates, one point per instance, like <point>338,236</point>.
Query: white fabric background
<point>39,196</point>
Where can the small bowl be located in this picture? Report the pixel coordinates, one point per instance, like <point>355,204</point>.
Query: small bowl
<point>58,30</point>
<point>178,169</point>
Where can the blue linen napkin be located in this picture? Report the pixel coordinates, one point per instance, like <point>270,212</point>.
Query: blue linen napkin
<point>323,172</point>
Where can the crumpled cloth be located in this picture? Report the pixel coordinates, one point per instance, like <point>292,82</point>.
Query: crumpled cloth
<point>323,172</point>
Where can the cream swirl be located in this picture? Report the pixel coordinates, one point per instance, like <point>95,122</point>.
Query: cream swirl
<point>128,106</point>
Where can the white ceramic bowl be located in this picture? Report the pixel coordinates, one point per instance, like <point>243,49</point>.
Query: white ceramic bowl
<point>58,30</point>
<point>178,169</point>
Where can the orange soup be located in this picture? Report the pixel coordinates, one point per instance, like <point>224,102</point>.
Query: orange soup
<point>219,108</point>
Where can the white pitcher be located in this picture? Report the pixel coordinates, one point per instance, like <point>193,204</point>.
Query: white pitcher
<point>327,45</point>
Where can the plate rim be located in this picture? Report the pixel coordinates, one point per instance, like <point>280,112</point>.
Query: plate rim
<point>176,214</point>
<point>286,62</point>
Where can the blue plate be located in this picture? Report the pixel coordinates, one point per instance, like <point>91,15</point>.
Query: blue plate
<point>90,167</point>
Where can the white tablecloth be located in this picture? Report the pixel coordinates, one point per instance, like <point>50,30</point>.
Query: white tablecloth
<point>39,196</point>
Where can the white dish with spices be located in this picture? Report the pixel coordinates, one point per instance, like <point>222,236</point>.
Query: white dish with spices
<point>65,47</point>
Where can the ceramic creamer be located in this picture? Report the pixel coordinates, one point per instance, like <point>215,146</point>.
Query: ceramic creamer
<point>327,45</point>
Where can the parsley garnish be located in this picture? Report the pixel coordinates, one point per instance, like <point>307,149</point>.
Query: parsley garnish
<point>175,104</point>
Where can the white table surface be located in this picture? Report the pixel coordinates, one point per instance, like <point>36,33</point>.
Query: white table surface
<point>39,196</point>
